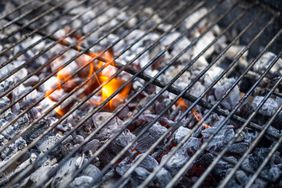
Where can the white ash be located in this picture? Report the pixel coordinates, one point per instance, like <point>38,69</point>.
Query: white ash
<point>12,149</point>
<point>30,98</point>
<point>268,108</point>
<point>4,101</point>
<point>198,66</point>
<point>211,75</point>
<point>203,43</point>
<point>191,145</point>
<point>40,175</point>
<point>125,138</point>
<point>193,18</point>
<point>5,85</point>
<point>177,47</point>
<point>64,175</point>
<point>180,133</point>
<point>122,167</point>
<point>91,170</point>
<point>19,168</point>
<point>14,128</point>
<point>48,142</point>
<point>220,139</point>
<point>232,98</point>
<point>113,127</point>
<point>263,63</point>
<point>64,127</point>
<point>81,182</point>
<point>233,51</point>
<point>7,69</point>
<point>197,89</point>
<point>173,71</point>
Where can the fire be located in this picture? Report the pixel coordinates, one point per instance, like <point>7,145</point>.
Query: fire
<point>199,117</point>
<point>183,106</point>
<point>103,78</point>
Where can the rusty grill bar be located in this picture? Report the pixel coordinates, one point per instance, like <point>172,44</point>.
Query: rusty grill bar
<point>19,18</point>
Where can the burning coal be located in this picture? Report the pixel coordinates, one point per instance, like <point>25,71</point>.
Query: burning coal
<point>67,80</point>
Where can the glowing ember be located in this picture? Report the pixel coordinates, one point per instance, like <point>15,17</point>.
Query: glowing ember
<point>183,106</point>
<point>198,117</point>
<point>94,80</point>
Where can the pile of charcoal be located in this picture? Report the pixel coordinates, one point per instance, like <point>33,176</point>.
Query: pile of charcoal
<point>29,117</point>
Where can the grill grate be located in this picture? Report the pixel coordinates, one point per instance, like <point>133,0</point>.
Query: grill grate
<point>25,21</point>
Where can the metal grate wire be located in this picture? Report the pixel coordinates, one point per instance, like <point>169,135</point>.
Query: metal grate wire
<point>138,8</point>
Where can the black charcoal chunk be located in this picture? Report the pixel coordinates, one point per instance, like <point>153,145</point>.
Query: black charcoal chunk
<point>192,145</point>
<point>150,137</point>
<point>149,163</point>
<point>122,167</point>
<point>221,168</point>
<point>92,145</point>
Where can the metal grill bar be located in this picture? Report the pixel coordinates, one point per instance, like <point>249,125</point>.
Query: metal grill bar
<point>23,15</point>
<point>52,90</point>
<point>224,182</point>
<point>34,44</point>
<point>103,104</point>
<point>225,120</point>
<point>122,182</point>
<point>16,9</point>
<point>34,87</point>
<point>37,71</point>
<point>179,120</point>
<point>251,116</point>
<point>150,102</point>
<point>142,110</point>
<point>199,124</point>
<point>36,31</point>
<point>274,148</point>
<point>35,19</point>
<point>99,88</point>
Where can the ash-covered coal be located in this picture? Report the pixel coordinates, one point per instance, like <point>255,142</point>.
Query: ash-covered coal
<point>136,42</point>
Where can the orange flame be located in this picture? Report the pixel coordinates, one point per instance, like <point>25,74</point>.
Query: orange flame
<point>199,117</point>
<point>94,80</point>
<point>183,106</point>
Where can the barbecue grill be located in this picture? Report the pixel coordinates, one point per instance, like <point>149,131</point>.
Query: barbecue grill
<point>146,93</point>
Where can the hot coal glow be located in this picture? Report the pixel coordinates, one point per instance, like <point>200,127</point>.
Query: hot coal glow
<point>94,73</point>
